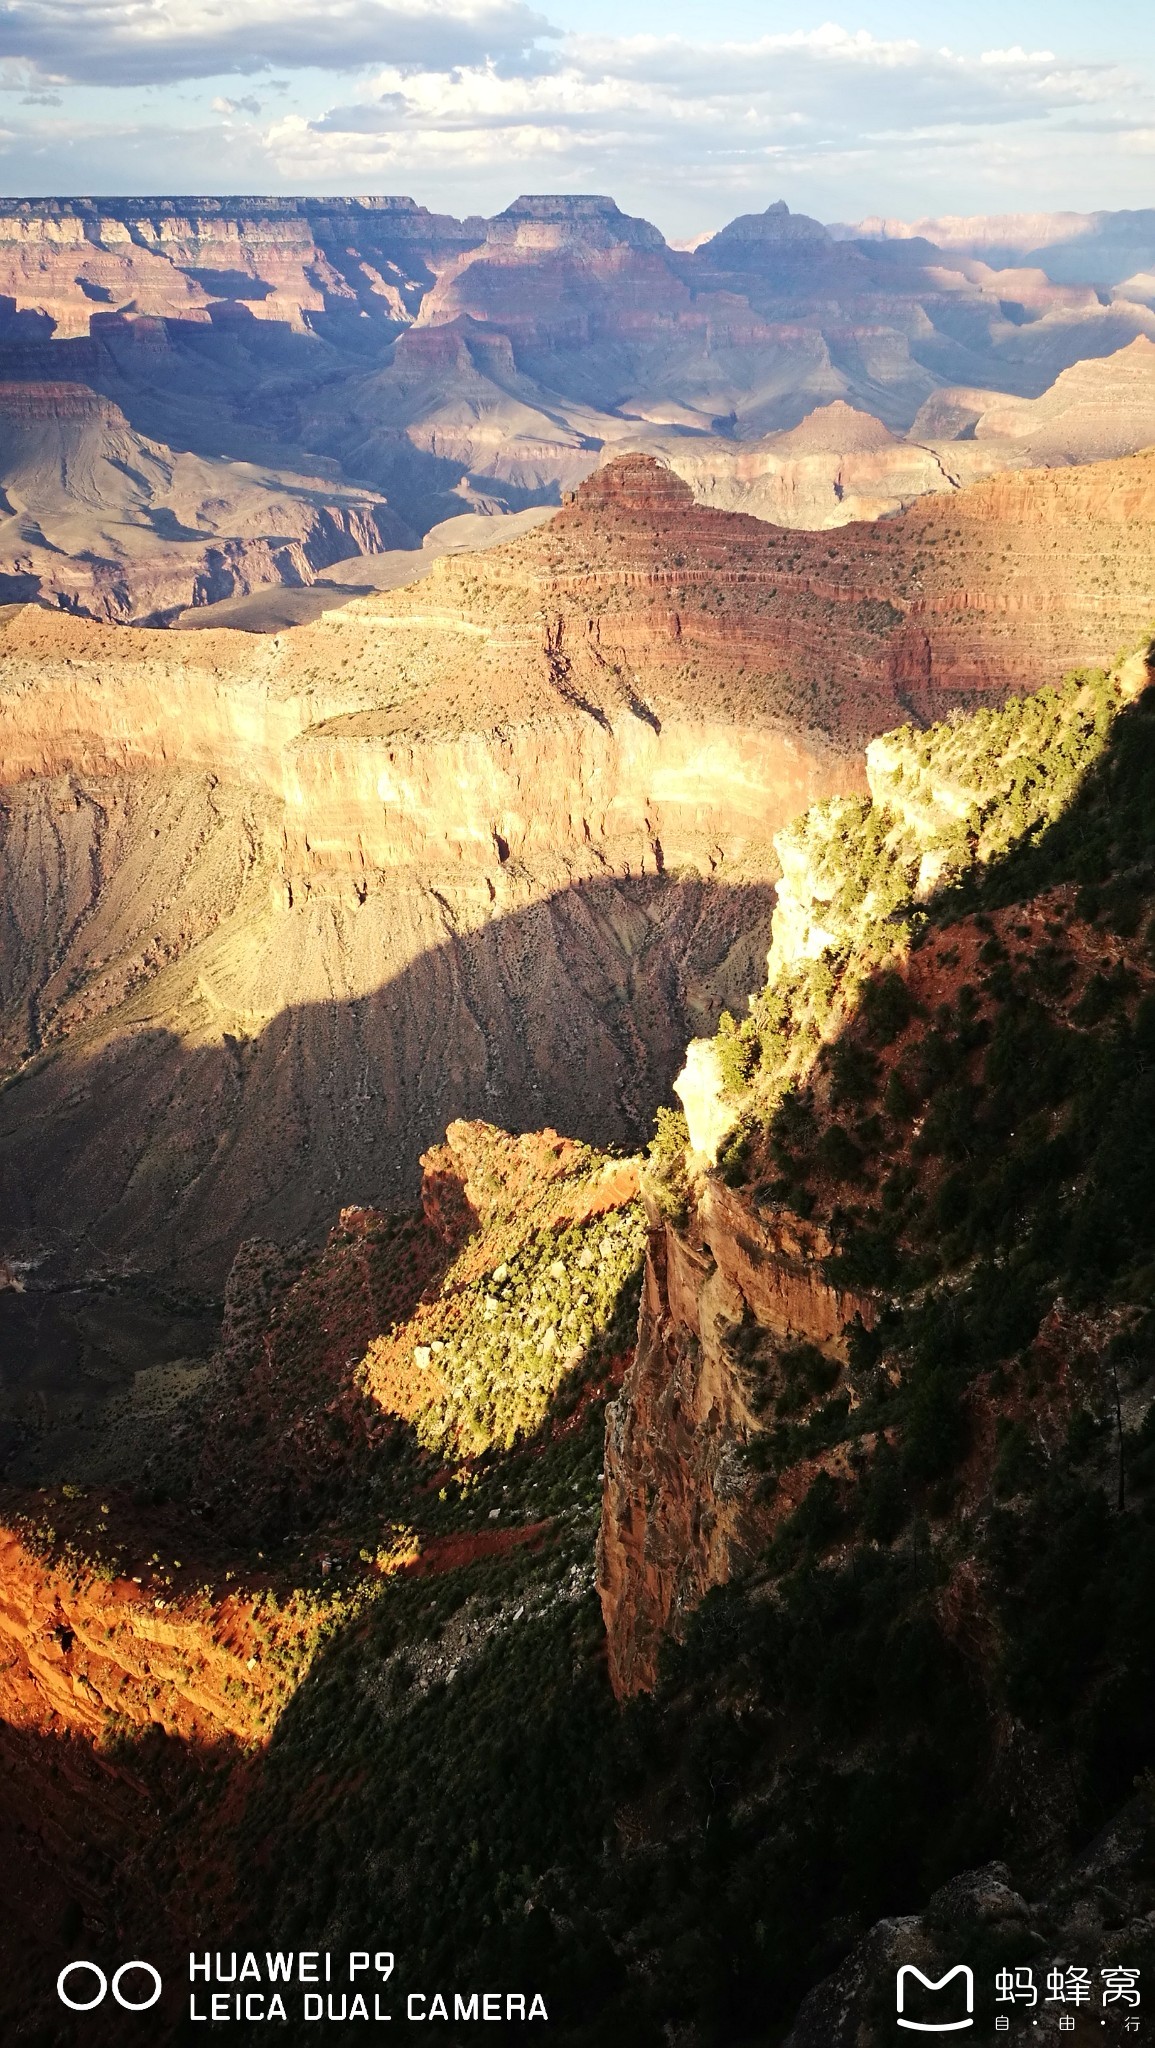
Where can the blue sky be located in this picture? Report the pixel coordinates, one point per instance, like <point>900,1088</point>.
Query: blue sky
<point>688,114</point>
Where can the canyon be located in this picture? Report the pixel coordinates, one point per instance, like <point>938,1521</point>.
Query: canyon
<point>839,465</point>
<point>531,797</point>
<point>350,1546</point>
<point>205,397</point>
<point>102,521</point>
<point>433,1468</point>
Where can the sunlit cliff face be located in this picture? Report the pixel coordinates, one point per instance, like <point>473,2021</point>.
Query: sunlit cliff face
<point>509,832</point>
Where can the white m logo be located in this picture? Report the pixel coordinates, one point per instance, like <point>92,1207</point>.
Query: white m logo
<point>936,1984</point>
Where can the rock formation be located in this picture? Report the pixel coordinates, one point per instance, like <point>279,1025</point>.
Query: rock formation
<point>543,774</point>
<point>450,365</point>
<point>682,1508</point>
<point>838,465</point>
<point>149,1647</point>
<point>99,520</point>
<point>1092,410</point>
<point>739,1283</point>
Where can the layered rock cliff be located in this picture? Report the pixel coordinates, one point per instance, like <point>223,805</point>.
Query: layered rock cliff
<point>100,520</point>
<point>239,866</point>
<point>728,1298</point>
<point>443,363</point>
<point>835,466</point>
<point>281,260</point>
<point>753,1305</point>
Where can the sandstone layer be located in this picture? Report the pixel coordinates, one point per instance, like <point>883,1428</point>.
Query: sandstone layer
<point>79,261</point>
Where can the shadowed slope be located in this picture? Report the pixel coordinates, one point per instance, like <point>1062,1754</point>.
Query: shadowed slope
<point>166,1144</point>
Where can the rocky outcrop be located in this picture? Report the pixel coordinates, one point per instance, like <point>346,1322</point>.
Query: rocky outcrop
<point>836,466</point>
<point>149,1649</point>
<point>725,1294</point>
<point>1094,1915</point>
<point>95,1656</point>
<point>100,520</point>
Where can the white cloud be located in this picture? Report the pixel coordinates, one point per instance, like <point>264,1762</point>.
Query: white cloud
<point>148,42</point>
<point>465,102</point>
<point>669,101</point>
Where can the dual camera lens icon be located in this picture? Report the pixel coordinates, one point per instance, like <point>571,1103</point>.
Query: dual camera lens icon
<point>92,1972</point>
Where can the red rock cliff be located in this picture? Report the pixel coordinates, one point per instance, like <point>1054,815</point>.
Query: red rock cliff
<point>682,1502</point>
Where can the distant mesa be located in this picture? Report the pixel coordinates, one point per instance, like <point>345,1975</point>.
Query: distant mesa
<point>21,403</point>
<point>589,219</point>
<point>1071,248</point>
<point>752,236</point>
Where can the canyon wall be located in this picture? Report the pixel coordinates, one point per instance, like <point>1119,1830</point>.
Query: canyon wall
<point>742,1302</point>
<point>726,1292</point>
<point>99,519</point>
<point>277,908</point>
<point>198,1050</point>
<point>364,792</point>
<point>836,466</point>
<point>278,384</point>
<point>79,262</point>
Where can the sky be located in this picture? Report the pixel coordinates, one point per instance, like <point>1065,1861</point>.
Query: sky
<point>687,114</point>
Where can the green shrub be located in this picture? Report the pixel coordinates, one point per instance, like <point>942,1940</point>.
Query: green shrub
<point>887,1007</point>
<point>738,1051</point>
